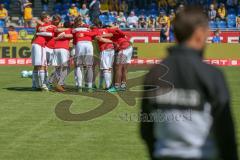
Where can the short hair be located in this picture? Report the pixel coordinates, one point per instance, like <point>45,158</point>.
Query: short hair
<point>67,24</point>
<point>187,21</point>
<point>57,17</point>
<point>44,15</point>
<point>97,22</point>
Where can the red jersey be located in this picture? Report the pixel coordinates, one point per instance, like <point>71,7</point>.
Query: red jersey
<point>119,39</point>
<point>40,40</point>
<point>50,42</point>
<point>63,43</point>
<point>102,45</point>
<point>87,33</point>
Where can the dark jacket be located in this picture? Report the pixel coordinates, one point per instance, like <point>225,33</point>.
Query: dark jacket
<point>188,115</point>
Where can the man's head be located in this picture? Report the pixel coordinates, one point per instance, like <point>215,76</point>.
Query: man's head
<point>78,21</point>
<point>217,32</point>
<point>97,23</point>
<point>45,17</point>
<point>161,13</point>
<point>222,5</point>
<point>191,27</point>
<point>212,6</point>
<point>132,13</point>
<point>56,19</point>
<point>84,6</point>
<point>73,5</point>
<point>67,24</point>
<point>1,6</point>
<point>11,28</point>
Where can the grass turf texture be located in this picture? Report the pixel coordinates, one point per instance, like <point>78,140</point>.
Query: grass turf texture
<point>29,128</point>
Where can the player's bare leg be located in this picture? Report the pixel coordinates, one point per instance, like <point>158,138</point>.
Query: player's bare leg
<point>35,81</point>
<point>78,75</point>
<point>117,78</point>
<point>41,78</point>
<point>89,77</point>
<point>63,75</point>
<point>101,79</point>
<point>124,77</point>
<point>107,75</point>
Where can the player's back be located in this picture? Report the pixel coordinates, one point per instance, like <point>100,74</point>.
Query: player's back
<point>63,43</point>
<point>39,39</point>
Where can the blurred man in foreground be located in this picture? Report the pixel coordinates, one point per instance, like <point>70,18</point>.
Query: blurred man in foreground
<point>188,115</point>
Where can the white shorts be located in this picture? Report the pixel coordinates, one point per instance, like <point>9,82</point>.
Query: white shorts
<point>62,57</point>
<point>84,53</point>
<point>38,55</point>
<point>73,51</point>
<point>124,56</point>
<point>49,55</point>
<point>107,58</point>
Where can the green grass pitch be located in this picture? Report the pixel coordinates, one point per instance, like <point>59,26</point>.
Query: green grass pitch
<point>30,130</point>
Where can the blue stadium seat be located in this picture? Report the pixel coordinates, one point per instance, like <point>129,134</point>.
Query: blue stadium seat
<point>231,24</point>
<point>231,11</point>
<point>231,17</point>
<point>66,6</point>
<point>153,12</point>
<point>2,24</point>
<point>57,8</point>
<point>153,6</point>
<point>222,24</point>
<point>212,24</point>
<point>103,18</point>
<point>112,19</point>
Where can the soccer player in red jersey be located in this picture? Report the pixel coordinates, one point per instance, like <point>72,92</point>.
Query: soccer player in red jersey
<point>62,47</point>
<point>39,56</point>
<point>83,36</point>
<point>50,44</point>
<point>106,49</point>
<point>124,49</point>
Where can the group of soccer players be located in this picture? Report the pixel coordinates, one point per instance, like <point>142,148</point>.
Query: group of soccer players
<point>51,47</point>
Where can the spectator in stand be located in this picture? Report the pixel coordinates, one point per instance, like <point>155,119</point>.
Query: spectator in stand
<point>172,3</point>
<point>121,20</point>
<point>123,7</point>
<point>73,12</point>
<point>212,13</point>
<point>132,20</point>
<point>162,4</point>
<point>216,37</point>
<point>27,15</point>
<point>180,8</point>
<point>151,22</point>
<point>172,15</point>
<point>238,22</point>
<point>142,23</point>
<point>164,33</point>
<point>94,10</point>
<point>45,4</point>
<point>113,5</point>
<point>104,6</point>
<point>3,14</point>
<point>12,34</point>
<point>222,12</point>
<point>84,11</point>
<point>162,19</point>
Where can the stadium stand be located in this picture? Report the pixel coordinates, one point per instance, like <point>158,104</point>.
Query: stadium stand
<point>226,12</point>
